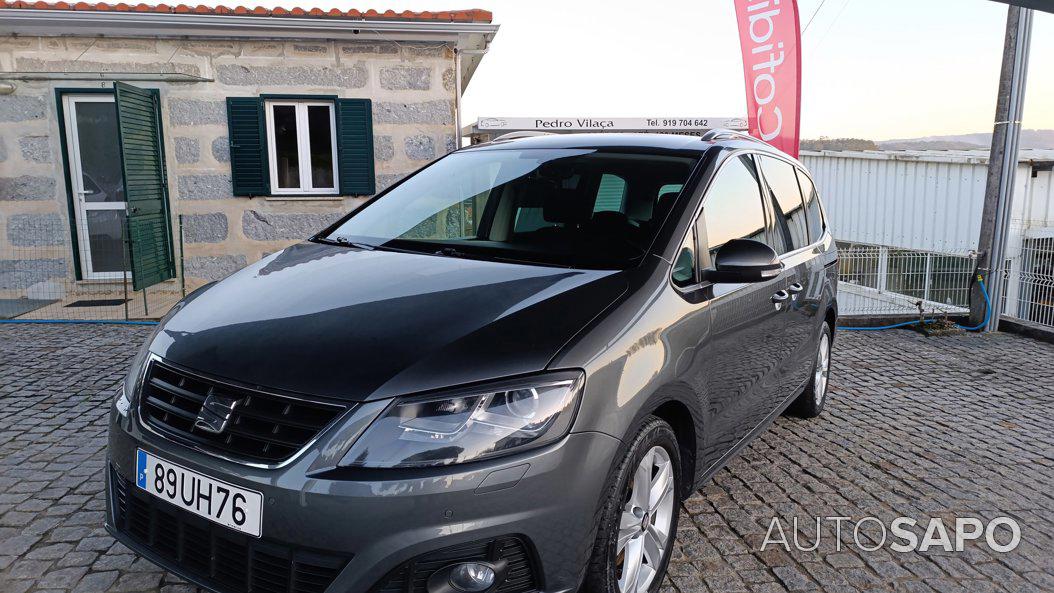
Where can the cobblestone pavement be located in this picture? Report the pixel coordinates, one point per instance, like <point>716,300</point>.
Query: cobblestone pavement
<point>916,427</point>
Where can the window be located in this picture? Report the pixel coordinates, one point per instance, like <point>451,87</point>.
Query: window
<point>302,149</point>
<point>683,273</point>
<point>530,216</point>
<point>733,208</point>
<point>812,207</point>
<point>788,206</point>
<point>611,194</point>
<point>281,145</point>
<point>670,188</point>
<point>529,205</point>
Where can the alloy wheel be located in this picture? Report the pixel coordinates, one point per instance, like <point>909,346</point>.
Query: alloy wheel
<point>645,522</point>
<point>823,369</point>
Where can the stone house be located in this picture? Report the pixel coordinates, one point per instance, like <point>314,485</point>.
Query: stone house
<point>147,146</point>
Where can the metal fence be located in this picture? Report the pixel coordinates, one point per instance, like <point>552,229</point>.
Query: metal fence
<point>882,280</point>
<point>44,275</point>
<point>1028,276</point>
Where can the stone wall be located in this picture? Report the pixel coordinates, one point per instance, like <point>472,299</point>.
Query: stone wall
<point>411,85</point>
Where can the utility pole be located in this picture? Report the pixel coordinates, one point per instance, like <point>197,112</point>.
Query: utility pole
<point>1002,167</point>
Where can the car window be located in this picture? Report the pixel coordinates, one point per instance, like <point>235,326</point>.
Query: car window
<point>611,194</point>
<point>671,188</point>
<point>530,219</point>
<point>788,205</point>
<point>684,265</point>
<point>812,207</point>
<point>576,207</point>
<point>733,208</point>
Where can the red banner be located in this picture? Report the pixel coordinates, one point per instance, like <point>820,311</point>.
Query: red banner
<point>771,41</point>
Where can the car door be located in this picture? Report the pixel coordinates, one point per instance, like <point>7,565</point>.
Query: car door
<point>748,321</point>
<point>801,257</point>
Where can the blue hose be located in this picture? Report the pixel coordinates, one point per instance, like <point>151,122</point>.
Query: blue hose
<point>987,317</point>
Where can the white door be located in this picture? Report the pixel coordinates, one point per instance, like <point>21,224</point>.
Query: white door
<point>97,184</point>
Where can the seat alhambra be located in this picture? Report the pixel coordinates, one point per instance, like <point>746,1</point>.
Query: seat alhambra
<point>503,374</point>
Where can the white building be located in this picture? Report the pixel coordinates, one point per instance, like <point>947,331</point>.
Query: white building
<point>908,222</point>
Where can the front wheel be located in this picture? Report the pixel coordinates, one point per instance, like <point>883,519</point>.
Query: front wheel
<point>639,519</point>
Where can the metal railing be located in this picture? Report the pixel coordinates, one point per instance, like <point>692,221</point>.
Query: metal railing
<point>1028,277</point>
<point>879,280</point>
<point>44,275</point>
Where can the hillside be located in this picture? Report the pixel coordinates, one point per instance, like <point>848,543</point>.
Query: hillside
<point>979,141</point>
<point>1029,139</point>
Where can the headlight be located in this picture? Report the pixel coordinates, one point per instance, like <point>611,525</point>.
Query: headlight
<point>469,425</point>
<point>127,389</point>
<point>130,386</point>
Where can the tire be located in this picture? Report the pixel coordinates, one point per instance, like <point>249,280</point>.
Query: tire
<point>811,401</point>
<point>654,446</point>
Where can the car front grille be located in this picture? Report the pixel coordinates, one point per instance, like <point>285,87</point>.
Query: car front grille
<point>263,427</point>
<point>412,577</point>
<point>217,557</point>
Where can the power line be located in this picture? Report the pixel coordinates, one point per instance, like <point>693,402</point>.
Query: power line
<point>833,23</point>
<point>814,13</point>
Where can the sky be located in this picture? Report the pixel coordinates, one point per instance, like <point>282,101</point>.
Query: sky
<point>877,69</point>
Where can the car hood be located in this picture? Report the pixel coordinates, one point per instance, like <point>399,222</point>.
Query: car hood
<point>353,324</point>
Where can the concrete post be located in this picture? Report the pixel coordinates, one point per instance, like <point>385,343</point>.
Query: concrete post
<point>1002,165</point>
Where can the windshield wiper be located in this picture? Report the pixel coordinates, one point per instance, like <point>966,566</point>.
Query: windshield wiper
<point>343,242</point>
<point>451,252</point>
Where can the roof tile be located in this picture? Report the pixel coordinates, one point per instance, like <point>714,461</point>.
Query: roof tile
<point>473,15</point>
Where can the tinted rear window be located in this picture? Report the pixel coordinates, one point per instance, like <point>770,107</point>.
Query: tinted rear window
<point>812,207</point>
<point>788,206</point>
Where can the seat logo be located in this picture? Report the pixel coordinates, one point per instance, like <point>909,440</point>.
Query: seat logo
<point>216,413</point>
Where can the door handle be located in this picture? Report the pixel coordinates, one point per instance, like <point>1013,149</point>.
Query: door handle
<point>795,288</point>
<point>779,298</point>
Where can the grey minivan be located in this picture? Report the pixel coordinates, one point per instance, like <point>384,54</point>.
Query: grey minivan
<point>503,374</point>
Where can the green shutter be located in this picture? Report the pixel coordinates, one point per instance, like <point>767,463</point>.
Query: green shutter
<point>145,182</point>
<point>248,142</point>
<point>355,147</point>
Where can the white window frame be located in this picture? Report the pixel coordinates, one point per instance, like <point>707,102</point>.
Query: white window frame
<point>303,146</point>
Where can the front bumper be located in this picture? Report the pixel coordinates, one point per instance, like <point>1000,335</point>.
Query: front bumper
<point>378,520</point>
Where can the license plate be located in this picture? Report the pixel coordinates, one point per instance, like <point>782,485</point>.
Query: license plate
<point>217,501</point>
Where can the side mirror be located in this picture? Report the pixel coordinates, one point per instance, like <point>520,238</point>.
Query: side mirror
<point>744,260</point>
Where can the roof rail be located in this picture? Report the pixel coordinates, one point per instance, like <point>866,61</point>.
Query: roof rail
<point>722,134</point>
<point>522,134</point>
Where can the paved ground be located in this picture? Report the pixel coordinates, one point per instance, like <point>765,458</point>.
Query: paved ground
<point>940,427</point>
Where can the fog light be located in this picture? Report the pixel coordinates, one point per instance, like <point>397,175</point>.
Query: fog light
<point>472,577</point>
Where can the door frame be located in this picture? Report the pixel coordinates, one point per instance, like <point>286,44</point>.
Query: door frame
<point>80,273</point>
<point>80,210</point>
<point>71,201</point>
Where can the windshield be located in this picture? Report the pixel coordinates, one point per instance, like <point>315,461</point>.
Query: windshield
<point>569,207</point>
